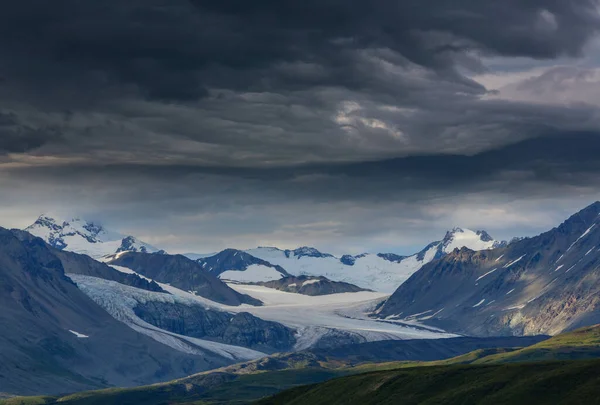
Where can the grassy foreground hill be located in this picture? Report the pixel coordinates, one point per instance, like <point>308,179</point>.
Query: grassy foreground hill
<point>528,376</point>
<point>478,377</point>
<point>568,382</point>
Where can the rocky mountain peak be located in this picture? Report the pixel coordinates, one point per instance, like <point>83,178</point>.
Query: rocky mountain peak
<point>82,236</point>
<point>306,251</point>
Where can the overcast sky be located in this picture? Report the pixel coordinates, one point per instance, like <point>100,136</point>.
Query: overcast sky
<point>347,125</point>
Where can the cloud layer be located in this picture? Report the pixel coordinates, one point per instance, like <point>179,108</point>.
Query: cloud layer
<point>290,121</point>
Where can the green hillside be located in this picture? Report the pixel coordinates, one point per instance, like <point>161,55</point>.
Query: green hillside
<point>569,382</point>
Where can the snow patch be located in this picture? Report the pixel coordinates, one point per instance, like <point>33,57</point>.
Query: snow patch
<point>479,303</point>
<point>514,262</point>
<point>582,236</point>
<point>489,272</point>
<point>79,335</point>
<point>253,274</point>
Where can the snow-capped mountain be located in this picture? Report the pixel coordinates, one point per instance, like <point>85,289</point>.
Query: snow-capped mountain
<point>237,265</point>
<point>379,272</point>
<point>540,285</point>
<point>84,237</point>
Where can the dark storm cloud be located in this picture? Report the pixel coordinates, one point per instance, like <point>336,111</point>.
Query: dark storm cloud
<point>519,189</point>
<point>176,49</point>
<point>274,82</point>
<point>270,114</point>
<point>16,137</point>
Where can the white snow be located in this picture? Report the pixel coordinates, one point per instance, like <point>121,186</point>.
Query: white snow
<point>479,303</point>
<point>582,236</point>
<point>501,256</point>
<point>82,237</point>
<point>590,251</point>
<point>513,262</point>
<point>510,291</point>
<point>515,307</point>
<point>119,300</point>
<point>489,272</point>
<point>292,285</point>
<point>369,271</point>
<point>311,317</point>
<point>254,273</point>
<point>570,268</point>
<point>424,318</point>
<point>308,282</point>
<point>467,238</point>
<point>315,316</point>
<point>559,267</point>
<point>79,335</point>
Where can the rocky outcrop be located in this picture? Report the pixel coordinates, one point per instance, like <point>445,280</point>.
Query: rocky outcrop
<point>313,286</point>
<point>241,329</point>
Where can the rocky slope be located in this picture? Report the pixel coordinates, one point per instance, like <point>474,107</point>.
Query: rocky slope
<point>55,339</point>
<point>541,285</point>
<point>241,329</point>
<point>311,285</point>
<point>183,273</point>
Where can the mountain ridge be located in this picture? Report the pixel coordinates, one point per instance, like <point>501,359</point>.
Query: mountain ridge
<point>543,284</point>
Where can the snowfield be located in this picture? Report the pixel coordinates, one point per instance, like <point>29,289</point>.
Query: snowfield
<point>311,317</point>
<point>314,317</point>
<point>254,273</point>
<point>371,271</point>
<point>119,300</point>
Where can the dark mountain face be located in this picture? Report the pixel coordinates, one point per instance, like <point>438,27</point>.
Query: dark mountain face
<point>311,285</point>
<point>540,285</point>
<point>55,339</point>
<point>183,273</point>
<point>232,259</point>
<point>241,329</point>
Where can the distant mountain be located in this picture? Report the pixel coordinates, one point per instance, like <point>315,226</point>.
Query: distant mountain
<point>312,286</point>
<point>55,339</point>
<point>541,285</point>
<point>237,265</point>
<point>379,272</point>
<point>183,273</point>
<point>80,236</point>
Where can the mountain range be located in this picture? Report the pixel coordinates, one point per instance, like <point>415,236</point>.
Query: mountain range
<point>374,271</point>
<point>83,308</point>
